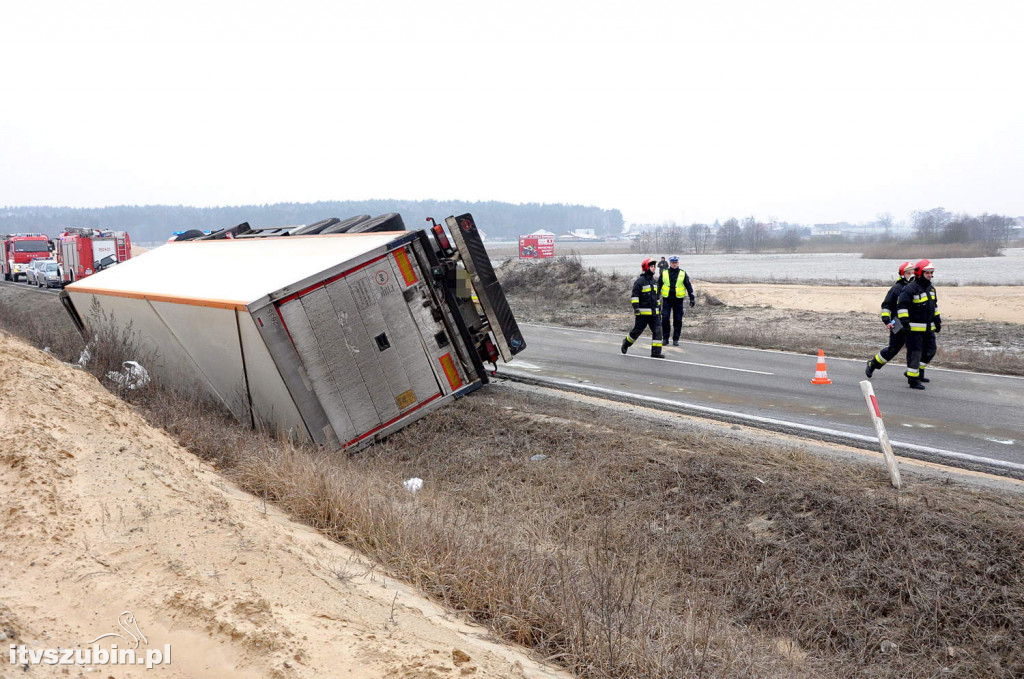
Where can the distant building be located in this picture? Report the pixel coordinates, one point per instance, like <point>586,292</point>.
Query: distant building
<point>634,231</point>
<point>580,235</point>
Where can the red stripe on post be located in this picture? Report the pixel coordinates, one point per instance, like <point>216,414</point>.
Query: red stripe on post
<point>874,403</point>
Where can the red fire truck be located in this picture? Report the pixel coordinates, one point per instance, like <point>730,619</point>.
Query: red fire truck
<point>19,249</point>
<point>83,252</point>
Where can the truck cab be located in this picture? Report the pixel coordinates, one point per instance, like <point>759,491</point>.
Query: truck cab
<point>19,249</point>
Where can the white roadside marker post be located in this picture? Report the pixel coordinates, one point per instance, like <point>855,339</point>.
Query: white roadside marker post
<point>883,437</point>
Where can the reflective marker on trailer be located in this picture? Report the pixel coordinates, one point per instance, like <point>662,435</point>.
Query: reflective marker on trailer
<point>405,266</point>
<point>450,372</point>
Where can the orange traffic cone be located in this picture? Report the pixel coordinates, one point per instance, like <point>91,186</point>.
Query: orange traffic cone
<point>820,373</point>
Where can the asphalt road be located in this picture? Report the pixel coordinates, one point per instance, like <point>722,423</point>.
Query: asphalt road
<point>960,416</point>
<point>20,284</point>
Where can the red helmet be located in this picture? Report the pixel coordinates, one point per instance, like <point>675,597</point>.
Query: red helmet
<point>647,263</point>
<point>922,266</point>
<point>903,268</point>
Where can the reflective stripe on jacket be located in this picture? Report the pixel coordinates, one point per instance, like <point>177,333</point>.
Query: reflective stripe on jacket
<point>645,295</point>
<point>918,306</point>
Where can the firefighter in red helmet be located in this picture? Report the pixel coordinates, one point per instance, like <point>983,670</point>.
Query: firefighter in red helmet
<point>918,309</point>
<point>897,332</point>
<point>646,309</point>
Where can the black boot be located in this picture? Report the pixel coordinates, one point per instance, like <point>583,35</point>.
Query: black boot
<point>625,345</point>
<point>870,369</point>
<point>656,355</point>
<point>922,377</point>
<point>914,382</point>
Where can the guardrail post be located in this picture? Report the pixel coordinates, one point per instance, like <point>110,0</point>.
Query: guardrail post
<point>883,437</point>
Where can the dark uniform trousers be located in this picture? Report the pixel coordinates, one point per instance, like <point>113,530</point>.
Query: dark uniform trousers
<point>642,322</point>
<point>920,351</point>
<point>672,308</point>
<point>896,342</point>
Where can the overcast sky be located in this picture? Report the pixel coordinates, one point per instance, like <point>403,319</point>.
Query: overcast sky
<point>674,110</point>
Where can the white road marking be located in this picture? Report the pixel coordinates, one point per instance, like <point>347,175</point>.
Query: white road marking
<point>703,365</point>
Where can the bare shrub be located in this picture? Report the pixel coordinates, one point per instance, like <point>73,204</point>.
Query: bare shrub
<point>564,280</point>
<point>43,325</point>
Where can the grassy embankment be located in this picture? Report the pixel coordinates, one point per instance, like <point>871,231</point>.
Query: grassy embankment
<point>638,548</point>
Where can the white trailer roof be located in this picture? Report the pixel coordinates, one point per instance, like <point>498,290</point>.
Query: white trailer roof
<point>230,272</point>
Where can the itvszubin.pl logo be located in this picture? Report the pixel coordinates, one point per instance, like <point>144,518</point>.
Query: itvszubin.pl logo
<point>93,654</point>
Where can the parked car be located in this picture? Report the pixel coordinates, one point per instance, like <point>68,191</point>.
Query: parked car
<point>44,273</point>
<point>30,270</point>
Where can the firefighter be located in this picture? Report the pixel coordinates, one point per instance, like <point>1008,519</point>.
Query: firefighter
<point>897,331</point>
<point>918,308</point>
<point>646,309</point>
<point>675,285</point>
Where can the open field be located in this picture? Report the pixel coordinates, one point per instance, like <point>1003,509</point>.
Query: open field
<point>810,268</point>
<point>507,249</point>
<point>1003,303</point>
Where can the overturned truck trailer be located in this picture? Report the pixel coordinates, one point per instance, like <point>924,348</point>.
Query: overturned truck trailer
<point>339,337</point>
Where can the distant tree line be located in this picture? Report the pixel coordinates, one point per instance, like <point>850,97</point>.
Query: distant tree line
<point>938,225</point>
<point>935,226</point>
<point>731,236</point>
<point>155,223</point>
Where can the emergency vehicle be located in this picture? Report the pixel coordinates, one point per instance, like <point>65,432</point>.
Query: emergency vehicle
<point>83,252</point>
<point>19,249</point>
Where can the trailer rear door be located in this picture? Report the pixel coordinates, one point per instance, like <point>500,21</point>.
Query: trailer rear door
<point>370,346</point>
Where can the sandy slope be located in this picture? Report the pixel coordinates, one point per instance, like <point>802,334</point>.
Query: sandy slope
<point>101,514</point>
<point>988,303</point>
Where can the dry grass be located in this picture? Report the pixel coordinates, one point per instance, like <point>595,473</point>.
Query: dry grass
<point>641,549</point>
<point>912,250</point>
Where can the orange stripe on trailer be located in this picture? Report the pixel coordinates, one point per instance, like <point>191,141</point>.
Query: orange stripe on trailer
<point>405,266</point>
<point>154,297</point>
<point>450,372</point>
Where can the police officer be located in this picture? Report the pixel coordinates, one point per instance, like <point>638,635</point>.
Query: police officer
<point>918,308</point>
<point>646,309</point>
<point>897,331</point>
<point>675,285</point>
